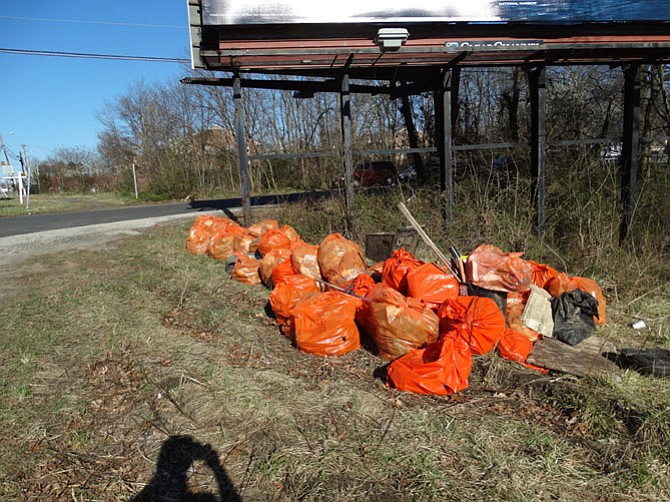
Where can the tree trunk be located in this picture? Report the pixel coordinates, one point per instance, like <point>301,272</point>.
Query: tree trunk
<point>406,108</point>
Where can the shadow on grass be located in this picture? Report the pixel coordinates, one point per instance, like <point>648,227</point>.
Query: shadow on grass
<point>170,482</point>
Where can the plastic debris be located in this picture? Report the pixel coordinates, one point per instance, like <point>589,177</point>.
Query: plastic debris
<point>427,321</point>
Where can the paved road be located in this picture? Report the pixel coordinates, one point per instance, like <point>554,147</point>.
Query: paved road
<point>24,236</point>
<point>28,224</point>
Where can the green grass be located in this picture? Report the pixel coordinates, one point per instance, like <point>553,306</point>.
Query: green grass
<point>113,351</point>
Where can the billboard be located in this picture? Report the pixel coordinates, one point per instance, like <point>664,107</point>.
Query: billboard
<point>235,12</point>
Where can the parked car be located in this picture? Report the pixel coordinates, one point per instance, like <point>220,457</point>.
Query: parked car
<point>371,173</point>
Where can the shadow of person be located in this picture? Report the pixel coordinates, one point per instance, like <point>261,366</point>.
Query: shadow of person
<point>170,482</point>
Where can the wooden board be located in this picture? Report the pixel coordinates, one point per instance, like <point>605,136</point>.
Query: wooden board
<point>596,345</point>
<point>582,360</point>
<point>407,238</point>
<point>378,246</point>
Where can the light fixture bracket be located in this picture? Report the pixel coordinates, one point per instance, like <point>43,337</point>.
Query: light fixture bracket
<point>391,39</point>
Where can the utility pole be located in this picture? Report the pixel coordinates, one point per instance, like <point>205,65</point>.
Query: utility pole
<point>4,150</point>
<point>22,159</point>
<point>27,167</point>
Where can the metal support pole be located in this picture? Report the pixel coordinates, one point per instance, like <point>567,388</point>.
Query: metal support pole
<point>538,143</point>
<point>630,149</point>
<point>345,110</point>
<point>444,140</point>
<point>242,150</point>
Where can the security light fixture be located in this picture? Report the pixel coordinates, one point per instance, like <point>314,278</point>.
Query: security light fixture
<point>303,94</point>
<point>391,39</point>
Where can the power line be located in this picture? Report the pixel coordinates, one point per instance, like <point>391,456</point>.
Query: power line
<point>153,59</point>
<point>82,21</point>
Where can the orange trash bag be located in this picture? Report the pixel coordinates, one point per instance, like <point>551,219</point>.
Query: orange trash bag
<point>513,318</point>
<point>273,238</point>
<point>281,271</point>
<point>246,270</point>
<point>440,369</point>
<point>431,284</point>
<point>290,232</point>
<point>514,299</point>
<point>361,285</point>
<point>271,260</point>
<point>221,246</point>
<point>516,347</point>
<point>197,240</point>
<point>475,318</point>
<point>489,268</point>
<point>288,294</point>
<point>243,242</point>
<point>304,260</point>
<point>223,242</point>
<point>396,268</point>
<point>260,227</point>
<point>563,283</point>
<point>542,273</point>
<point>376,269</point>
<point>340,259</point>
<point>324,324</point>
<point>395,323</point>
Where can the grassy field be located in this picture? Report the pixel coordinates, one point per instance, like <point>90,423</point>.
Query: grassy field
<point>119,365</point>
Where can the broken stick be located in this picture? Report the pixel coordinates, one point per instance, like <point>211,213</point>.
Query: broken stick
<point>343,290</point>
<point>427,240</point>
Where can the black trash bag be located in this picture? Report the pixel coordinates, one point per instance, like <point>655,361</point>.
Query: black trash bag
<point>654,362</point>
<point>573,314</point>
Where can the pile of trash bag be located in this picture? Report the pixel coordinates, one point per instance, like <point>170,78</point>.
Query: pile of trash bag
<point>423,318</point>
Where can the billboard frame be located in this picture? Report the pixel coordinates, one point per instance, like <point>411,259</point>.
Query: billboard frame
<point>430,59</point>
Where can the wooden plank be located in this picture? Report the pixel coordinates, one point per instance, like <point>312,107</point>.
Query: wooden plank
<point>597,346</point>
<point>581,361</point>
<point>406,238</point>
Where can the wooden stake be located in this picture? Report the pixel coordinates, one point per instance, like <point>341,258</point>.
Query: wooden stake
<point>427,240</point>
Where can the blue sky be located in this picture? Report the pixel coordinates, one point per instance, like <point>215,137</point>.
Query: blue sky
<point>48,102</point>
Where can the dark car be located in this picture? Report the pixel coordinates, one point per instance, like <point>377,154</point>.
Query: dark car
<point>371,173</point>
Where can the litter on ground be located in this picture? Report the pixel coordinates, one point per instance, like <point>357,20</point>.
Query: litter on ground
<point>426,319</point>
